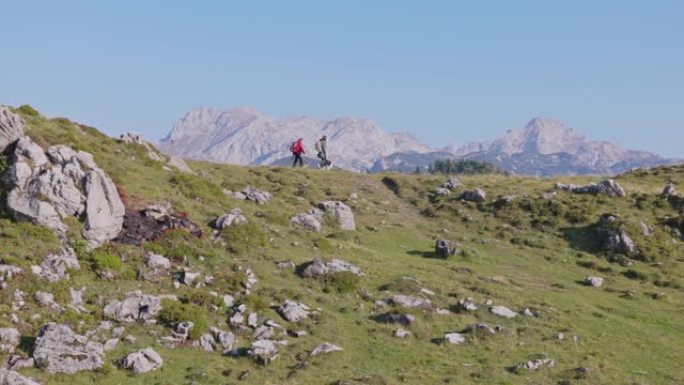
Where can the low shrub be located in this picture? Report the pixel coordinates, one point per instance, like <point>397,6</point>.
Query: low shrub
<point>174,312</point>
<point>342,282</point>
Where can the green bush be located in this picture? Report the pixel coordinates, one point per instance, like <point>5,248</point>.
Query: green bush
<point>27,110</point>
<point>174,312</point>
<point>342,282</point>
<point>244,237</point>
<point>195,187</point>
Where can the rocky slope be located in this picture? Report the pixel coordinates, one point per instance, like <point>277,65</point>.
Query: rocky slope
<point>264,275</point>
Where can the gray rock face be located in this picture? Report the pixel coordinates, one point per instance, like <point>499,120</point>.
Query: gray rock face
<point>607,187</point>
<point>55,266</point>
<point>255,195</point>
<point>411,302</point>
<point>398,318</point>
<point>263,351</point>
<point>11,127</point>
<point>325,347</point>
<point>442,191</point>
<point>477,195</point>
<point>135,307</point>
<point>503,311</point>
<point>143,361</point>
<point>294,311</point>
<point>319,268</point>
<point>9,377</point>
<point>234,217</point>
<point>341,213</point>
<point>593,281</point>
<point>47,186</point>
<point>59,350</point>
<point>104,209</point>
<point>9,340</point>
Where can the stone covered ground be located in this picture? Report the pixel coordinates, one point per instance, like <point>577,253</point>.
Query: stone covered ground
<point>119,264</point>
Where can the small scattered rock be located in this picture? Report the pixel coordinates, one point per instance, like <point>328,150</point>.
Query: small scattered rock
<point>476,195</point>
<point>593,281</point>
<point>10,377</point>
<point>319,268</point>
<point>325,347</point>
<point>9,340</point>
<point>234,217</point>
<point>454,338</point>
<point>143,361</point>
<point>503,311</point>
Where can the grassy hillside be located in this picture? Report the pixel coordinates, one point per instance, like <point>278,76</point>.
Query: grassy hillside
<point>530,253</point>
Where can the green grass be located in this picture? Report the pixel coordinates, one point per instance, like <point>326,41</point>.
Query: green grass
<point>531,253</point>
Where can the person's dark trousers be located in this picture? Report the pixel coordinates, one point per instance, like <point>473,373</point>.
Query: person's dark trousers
<point>298,158</point>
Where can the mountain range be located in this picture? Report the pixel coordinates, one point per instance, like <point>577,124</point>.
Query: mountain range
<point>543,147</point>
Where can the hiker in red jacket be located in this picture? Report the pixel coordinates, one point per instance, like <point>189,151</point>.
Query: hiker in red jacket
<point>297,150</point>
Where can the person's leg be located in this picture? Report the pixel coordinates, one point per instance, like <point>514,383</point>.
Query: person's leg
<point>301,161</point>
<point>294,164</point>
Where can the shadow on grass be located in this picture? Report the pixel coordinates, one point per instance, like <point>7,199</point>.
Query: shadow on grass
<point>583,238</point>
<point>425,254</point>
<point>26,344</point>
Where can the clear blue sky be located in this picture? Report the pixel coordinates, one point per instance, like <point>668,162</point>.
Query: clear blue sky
<point>447,71</point>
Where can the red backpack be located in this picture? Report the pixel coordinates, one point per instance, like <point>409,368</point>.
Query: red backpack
<point>296,148</point>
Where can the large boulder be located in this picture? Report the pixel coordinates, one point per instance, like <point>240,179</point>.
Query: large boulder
<point>340,212</point>
<point>104,209</point>
<point>143,361</point>
<point>136,307</point>
<point>10,377</point>
<point>59,350</point>
<point>47,186</point>
<point>451,184</point>
<point>613,235</point>
<point>11,127</point>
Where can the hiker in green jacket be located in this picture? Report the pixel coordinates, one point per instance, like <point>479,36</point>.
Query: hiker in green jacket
<point>322,149</point>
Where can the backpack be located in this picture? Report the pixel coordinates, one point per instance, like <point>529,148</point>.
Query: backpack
<point>292,147</point>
